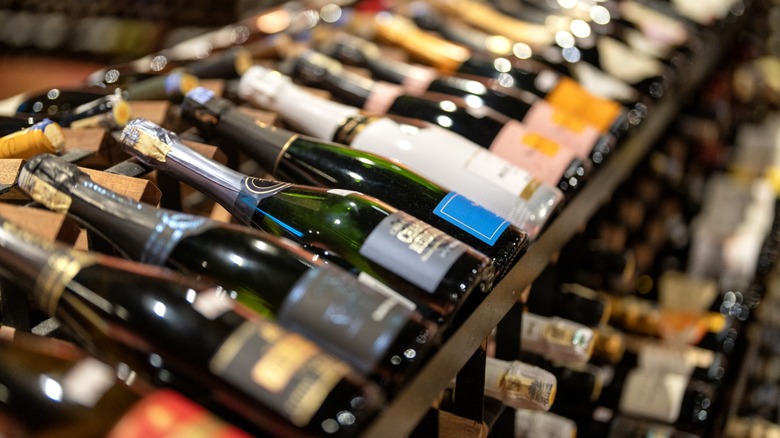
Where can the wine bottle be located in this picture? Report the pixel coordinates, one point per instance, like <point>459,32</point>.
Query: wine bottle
<point>607,54</point>
<point>190,334</point>
<point>556,339</point>
<point>519,385</point>
<point>510,139</point>
<point>413,258</point>
<point>110,112</point>
<point>269,275</point>
<point>576,383</point>
<point>440,155</point>
<point>51,389</point>
<point>622,426</point>
<point>559,90</point>
<point>568,130</point>
<point>306,160</point>
<point>573,302</point>
<point>42,137</point>
<point>61,102</point>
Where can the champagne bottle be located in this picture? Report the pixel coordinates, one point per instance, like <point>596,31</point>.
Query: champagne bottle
<point>42,137</point>
<point>52,389</point>
<point>269,275</point>
<point>413,258</point>
<point>61,102</point>
<point>191,335</point>
<point>510,139</point>
<point>559,90</point>
<point>440,155</point>
<point>606,54</point>
<point>568,130</point>
<point>306,160</point>
<point>109,112</point>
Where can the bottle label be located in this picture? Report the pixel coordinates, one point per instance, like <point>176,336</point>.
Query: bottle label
<point>569,130</point>
<point>253,191</point>
<point>412,249</point>
<point>599,83</point>
<point>200,95</point>
<point>623,62</point>
<point>171,228</point>
<point>282,370</point>
<point>531,424</point>
<point>502,173</point>
<point>166,413</point>
<point>341,314</point>
<point>472,218</point>
<point>655,395</point>
<point>542,157</point>
<point>87,382</point>
<point>569,96</point>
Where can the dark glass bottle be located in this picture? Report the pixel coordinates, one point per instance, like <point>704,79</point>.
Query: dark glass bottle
<point>52,387</point>
<point>108,112</point>
<point>559,90</point>
<point>413,258</point>
<point>271,276</point>
<point>569,130</point>
<point>191,335</point>
<point>509,139</point>
<point>306,160</point>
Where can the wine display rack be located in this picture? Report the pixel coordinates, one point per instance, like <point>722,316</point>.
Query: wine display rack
<point>463,352</point>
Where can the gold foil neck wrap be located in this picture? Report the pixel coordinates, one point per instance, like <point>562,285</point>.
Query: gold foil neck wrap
<point>137,137</point>
<point>43,192</point>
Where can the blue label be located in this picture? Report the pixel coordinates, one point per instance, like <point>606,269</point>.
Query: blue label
<point>41,126</point>
<point>200,95</point>
<point>472,218</point>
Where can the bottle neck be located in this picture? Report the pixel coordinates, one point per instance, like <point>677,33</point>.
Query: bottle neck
<point>327,74</point>
<point>23,256</point>
<point>142,232</point>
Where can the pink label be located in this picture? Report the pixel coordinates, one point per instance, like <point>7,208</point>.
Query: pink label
<point>382,97</point>
<point>540,156</point>
<point>418,79</point>
<point>568,130</point>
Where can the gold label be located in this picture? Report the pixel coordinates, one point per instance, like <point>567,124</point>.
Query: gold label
<point>530,189</point>
<point>60,270</point>
<point>278,365</point>
<point>43,192</point>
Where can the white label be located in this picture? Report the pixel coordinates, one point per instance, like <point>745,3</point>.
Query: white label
<point>653,395</point>
<point>601,84</point>
<point>85,383</point>
<point>534,424</point>
<point>669,359</point>
<point>532,338</point>
<point>213,302</point>
<point>498,171</point>
<point>622,62</point>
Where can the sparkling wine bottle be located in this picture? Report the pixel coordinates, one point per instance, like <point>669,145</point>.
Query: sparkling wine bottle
<point>191,335</point>
<point>53,387</point>
<point>472,171</point>
<point>413,258</point>
<point>306,160</point>
<point>109,112</point>
<point>567,129</point>
<point>270,275</point>
<point>547,160</point>
<point>559,90</point>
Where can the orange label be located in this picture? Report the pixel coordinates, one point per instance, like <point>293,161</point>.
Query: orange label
<point>568,121</point>
<point>541,144</point>
<point>166,414</point>
<point>570,97</point>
